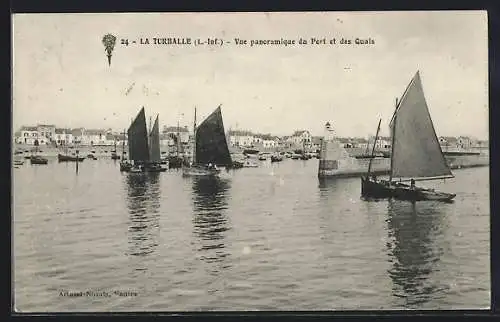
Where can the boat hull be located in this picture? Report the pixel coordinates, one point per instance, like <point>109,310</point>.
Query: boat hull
<point>385,190</point>
<point>125,166</point>
<point>276,159</point>
<point>38,160</point>
<point>69,158</point>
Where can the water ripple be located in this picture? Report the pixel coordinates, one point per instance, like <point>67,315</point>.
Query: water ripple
<point>269,238</point>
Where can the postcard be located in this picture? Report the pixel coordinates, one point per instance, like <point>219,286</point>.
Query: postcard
<point>281,161</point>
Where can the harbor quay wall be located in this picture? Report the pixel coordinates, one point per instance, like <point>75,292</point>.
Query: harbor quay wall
<point>84,150</point>
<point>335,161</point>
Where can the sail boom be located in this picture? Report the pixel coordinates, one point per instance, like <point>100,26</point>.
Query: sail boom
<point>425,178</point>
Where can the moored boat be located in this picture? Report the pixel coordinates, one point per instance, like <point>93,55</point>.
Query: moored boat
<point>69,158</point>
<point>276,158</point>
<point>36,159</point>
<point>250,164</point>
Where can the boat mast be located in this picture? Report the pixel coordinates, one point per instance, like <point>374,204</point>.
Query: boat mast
<point>373,149</point>
<point>393,130</point>
<point>178,137</point>
<point>194,137</point>
<point>123,145</point>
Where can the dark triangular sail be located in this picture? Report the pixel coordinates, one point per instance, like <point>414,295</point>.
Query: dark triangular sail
<point>416,152</point>
<point>138,138</point>
<point>154,142</point>
<point>211,145</point>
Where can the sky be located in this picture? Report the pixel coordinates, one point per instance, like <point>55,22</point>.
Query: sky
<point>61,74</point>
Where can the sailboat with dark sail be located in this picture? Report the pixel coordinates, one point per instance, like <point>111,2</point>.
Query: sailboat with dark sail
<point>416,153</point>
<point>138,146</point>
<point>210,148</point>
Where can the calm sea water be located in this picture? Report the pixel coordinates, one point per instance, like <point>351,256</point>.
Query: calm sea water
<point>268,238</point>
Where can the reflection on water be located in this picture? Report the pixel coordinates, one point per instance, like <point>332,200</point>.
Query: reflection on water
<point>414,250</point>
<point>210,220</point>
<point>143,201</point>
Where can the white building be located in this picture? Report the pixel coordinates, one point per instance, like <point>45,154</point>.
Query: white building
<point>78,136</point>
<point>241,138</point>
<point>63,136</point>
<point>94,137</point>
<point>46,132</point>
<point>269,143</point>
<point>29,135</point>
<point>302,138</point>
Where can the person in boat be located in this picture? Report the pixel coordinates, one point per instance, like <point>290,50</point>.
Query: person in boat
<point>412,184</point>
<point>374,178</point>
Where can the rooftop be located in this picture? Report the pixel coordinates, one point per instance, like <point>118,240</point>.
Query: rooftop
<point>95,132</point>
<point>168,129</point>
<point>29,128</point>
<point>299,132</point>
<point>240,133</point>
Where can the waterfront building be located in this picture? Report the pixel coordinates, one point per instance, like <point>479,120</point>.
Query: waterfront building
<point>78,135</point>
<point>302,138</point>
<point>63,136</point>
<point>316,142</point>
<point>46,133</point>
<point>94,137</point>
<point>241,138</point>
<point>29,134</point>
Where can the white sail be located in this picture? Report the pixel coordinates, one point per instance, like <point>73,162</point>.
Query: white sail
<point>416,152</point>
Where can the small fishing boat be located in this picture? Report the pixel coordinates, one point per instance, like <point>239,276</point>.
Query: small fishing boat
<point>250,151</point>
<point>262,158</point>
<point>36,159</point>
<point>237,165</point>
<point>144,148</point>
<point>174,162</point>
<point>18,162</point>
<point>136,168</point>
<point>250,164</point>
<point>416,152</point>
<point>69,158</point>
<point>210,148</point>
<point>276,158</point>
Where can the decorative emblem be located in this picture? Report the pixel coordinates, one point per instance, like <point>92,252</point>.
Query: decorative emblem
<point>109,44</point>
